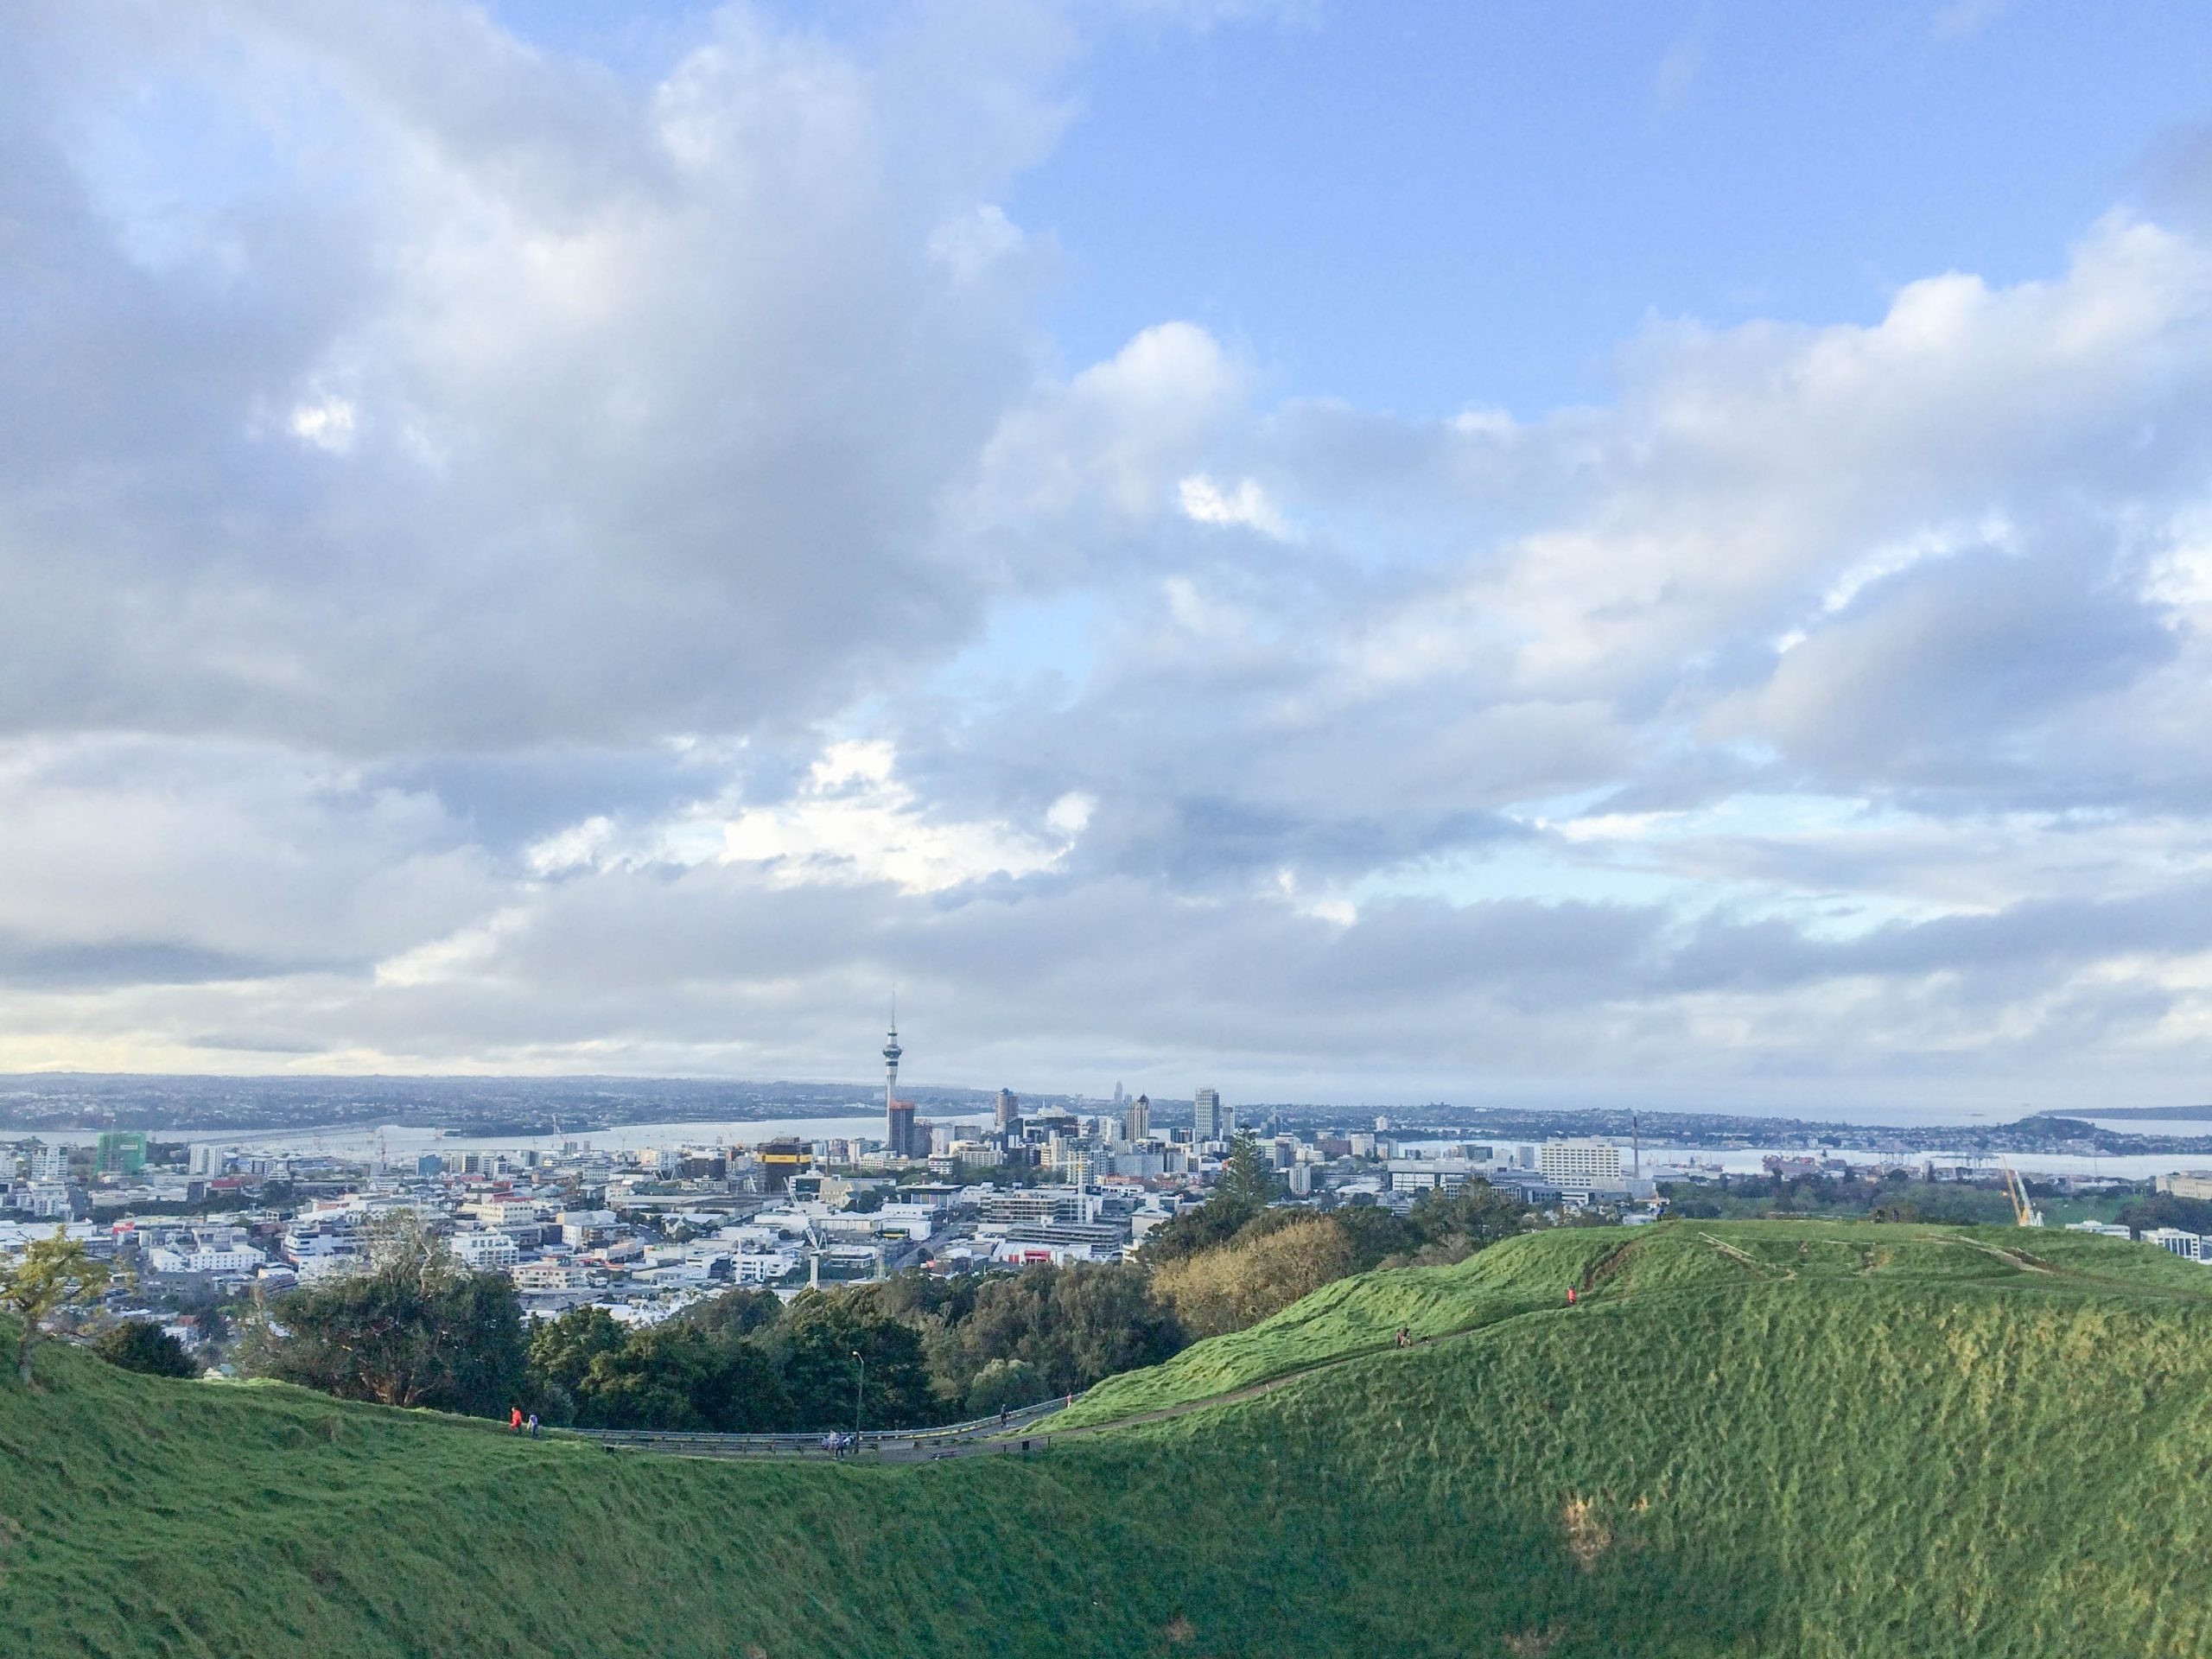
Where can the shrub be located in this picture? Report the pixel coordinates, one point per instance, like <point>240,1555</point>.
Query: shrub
<point>1239,1284</point>
<point>142,1345</point>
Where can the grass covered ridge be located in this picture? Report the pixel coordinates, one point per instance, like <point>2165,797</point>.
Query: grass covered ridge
<point>1750,1438</point>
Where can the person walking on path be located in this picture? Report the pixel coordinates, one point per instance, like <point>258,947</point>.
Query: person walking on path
<point>533,1424</point>
<point>514,1418</point>
<point>1570,1295</point>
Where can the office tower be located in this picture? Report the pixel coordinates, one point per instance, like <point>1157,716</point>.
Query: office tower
<point>1137,1124</point>
<point>1206,1116</point>
<point>1009,1111</point>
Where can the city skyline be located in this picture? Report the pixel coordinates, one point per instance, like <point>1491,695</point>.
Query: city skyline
<point>1603,560</point>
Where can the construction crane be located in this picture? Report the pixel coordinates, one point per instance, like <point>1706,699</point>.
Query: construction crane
<point>2024,1213</point>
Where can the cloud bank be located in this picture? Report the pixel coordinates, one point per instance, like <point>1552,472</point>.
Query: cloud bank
<point>514,566</point>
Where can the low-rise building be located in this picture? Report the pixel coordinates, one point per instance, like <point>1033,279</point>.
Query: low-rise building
<point>2181,1242</point>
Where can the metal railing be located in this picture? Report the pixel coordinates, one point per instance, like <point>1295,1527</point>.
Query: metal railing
<point>982,1433</point>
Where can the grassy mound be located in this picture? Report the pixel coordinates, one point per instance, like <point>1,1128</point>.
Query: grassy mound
<point>1750,1439</point>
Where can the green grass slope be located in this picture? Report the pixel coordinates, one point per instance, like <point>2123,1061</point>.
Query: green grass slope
<point>1750,1439</point>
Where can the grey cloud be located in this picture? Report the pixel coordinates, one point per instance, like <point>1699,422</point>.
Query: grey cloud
<point>576,447</point>
<point>1943,676</point>
<point>661,455</point>
<point>111,963</point>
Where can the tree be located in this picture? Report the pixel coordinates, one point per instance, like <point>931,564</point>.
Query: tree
<point>562,1350</point>
<point>2156,1210</point>
<point>1005,1385</point>
<point>1455,1225</point>
<point>735,1314</point>
<point>1072,1325</point>
<point>1377,1233</point>
<point>676,1376</point>
<point>414,1329</point>
<point>47,1277</point>
<point>1239,1284</point>
<point>142,1345</point>
<point>824,1331</point>
<point>1246,1183</point>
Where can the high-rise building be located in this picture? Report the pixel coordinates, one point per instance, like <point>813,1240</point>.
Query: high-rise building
<point>1009,1111</point>
<point>898,1114</point>
<point>1207,1119</point>
<point>1579,1163</point>
<point>122,1152</point>
<point>1136,1125</point>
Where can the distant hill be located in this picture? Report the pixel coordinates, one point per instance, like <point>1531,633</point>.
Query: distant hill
<point>1747,1439</point>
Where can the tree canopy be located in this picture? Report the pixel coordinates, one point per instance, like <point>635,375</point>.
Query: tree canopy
<point>50,1275</point>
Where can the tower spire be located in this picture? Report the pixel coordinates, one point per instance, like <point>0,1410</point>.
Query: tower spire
<point>897,1115</point>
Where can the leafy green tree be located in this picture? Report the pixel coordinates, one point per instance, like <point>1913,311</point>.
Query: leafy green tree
<point>1376,1234</point>
<point>1005,1385</point>
<point>2163,1209</point>
<point>1474,1217</point>
<point>142,1345</point>
<point>1247,1183</point>
<point>50,1275</point>
<point>414,1329</point>
<point>676,1376</point>
<point>1072,1325</point>
<point>824,1331</point>
<point>1202,1227</point>
<point>561,1355</point>
<point>735,1314</point>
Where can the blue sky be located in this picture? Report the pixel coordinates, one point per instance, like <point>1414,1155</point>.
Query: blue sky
<point>1428,206</point>
<point>1489,552</point>
<point>1477,204</point>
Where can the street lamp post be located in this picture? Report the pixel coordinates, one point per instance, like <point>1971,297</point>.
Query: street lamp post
<point>859,1381</point>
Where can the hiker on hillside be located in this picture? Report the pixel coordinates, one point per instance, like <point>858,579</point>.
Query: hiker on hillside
<point>1002,1416</point>
<point>514,1418</point>
<point>1570,1295</point>
<point>533,1424</point>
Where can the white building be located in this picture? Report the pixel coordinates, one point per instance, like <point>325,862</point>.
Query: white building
<point>485,1252</point>
<point>2181,1243</point>
<point>42,1200</point>
<point>1418,1174</point>
<point>551,1275</point>
<point>236,1258</point>
<point>2107,1229</point>
<point>761,1268</point>
<point>1578,1166</point>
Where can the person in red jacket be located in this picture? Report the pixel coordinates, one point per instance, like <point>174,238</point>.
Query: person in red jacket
<point>514,1418</point>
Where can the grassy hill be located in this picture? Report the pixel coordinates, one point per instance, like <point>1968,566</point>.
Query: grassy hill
<point>1749,1438</point>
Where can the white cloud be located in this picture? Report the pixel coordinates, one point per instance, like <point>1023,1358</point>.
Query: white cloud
<point>327,424</point>
<point>685,420</point>
<point>1207,503</point>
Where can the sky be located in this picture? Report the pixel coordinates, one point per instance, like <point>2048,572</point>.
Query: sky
<point>1565,554</point>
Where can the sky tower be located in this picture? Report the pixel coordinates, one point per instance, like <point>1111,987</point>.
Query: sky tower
<point>898,1114</point>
